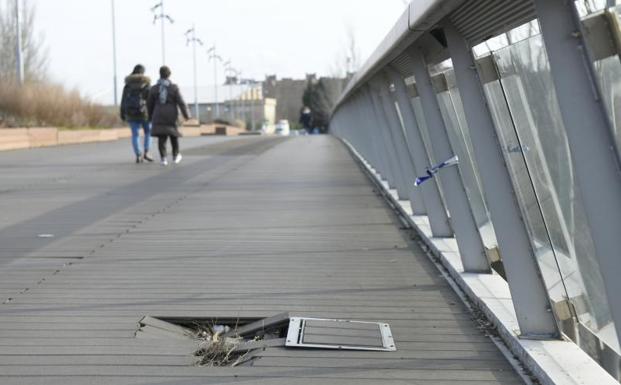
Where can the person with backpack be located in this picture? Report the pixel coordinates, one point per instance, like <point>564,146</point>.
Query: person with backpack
<point>163,105</point>
<point>134,110</point>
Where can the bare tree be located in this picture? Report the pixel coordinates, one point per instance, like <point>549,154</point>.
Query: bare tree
<point>34,55</point>
<point>348,60</point>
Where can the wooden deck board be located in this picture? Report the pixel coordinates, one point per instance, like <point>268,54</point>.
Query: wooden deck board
<point>243,228</point>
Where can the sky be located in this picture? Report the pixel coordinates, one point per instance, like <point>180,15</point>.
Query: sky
<point>288,38</point>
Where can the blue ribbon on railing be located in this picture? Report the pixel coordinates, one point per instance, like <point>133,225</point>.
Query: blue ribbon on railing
<point>435,169</point>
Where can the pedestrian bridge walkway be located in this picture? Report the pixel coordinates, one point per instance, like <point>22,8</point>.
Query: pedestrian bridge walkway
<point>468,199</point>
<point>496,128</point>
<point>250,227</point>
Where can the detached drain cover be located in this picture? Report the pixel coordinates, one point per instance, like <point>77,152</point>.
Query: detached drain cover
<point>339,334</point>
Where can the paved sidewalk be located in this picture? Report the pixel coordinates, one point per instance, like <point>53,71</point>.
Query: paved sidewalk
<point>244,227</point>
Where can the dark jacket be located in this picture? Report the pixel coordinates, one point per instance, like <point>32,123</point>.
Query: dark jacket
<point>164,117</point>
<point>306,120</point>
<point>134,100</point>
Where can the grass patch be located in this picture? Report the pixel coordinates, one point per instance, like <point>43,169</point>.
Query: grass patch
<point>51,105</point>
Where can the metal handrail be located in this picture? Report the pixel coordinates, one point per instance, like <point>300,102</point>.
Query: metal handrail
<point>390,104</point>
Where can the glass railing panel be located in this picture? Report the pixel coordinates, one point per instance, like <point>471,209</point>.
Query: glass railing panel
<point>454,120</point>
<point>587,7</point>
<point>484,222</point>
<point>529,92</point>
<point>513,152</point>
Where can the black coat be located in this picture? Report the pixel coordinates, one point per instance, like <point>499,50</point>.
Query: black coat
<point>164,117</point>
<point>136,86</point>
<point>306,120</point>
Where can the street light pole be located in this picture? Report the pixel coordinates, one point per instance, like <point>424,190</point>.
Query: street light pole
<point>233,99</point>
<point>227,72</point>
<point>242,106</point>
<point>215,57</point>
<point>116,103</point>
<point>18,43</point>
<point>252,107</point>
<point>191,38</point>
<point>162,17</point>
<point>237,102</point>
<point>163,36</point>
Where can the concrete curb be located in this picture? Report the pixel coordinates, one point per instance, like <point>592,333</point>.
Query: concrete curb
<point>552,362</point>
<point>24,138</point>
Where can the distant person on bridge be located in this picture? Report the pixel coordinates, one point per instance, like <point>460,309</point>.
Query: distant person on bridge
<point>163,104</point>
<point>134,110</point>
<point>306,119</point>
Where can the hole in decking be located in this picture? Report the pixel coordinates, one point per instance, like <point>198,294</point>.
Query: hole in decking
<point>236,341</point>
<point>220,341</point>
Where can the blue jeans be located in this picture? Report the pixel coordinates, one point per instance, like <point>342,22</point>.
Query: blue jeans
<point>135,126</point>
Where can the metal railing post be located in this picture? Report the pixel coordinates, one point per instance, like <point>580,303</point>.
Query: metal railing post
<point>394,173</point>
<point>367,120</point>
<point>391,145</point>
<point>396,131</point>
<point>528,291</point>
<point>590,137</point>
<point>436,212</point>
<point>369,152</point>
<point>464,225</point>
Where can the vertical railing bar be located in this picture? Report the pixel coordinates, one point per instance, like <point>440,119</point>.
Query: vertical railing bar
<point>438,218</point>
<point>528,291</point>
<point>402,152</point>
<point>467,234</point>
<point>379,119</point>
<point>589,135</point>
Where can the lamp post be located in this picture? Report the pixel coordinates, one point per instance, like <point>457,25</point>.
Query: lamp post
<point>116,102</point>
<point>228,70</point>
<point>18,43</point>
<point>236,105</point>
<point>190,36</point>
<point>215,57</point>
<point>162,17</point>
<point>242,105</point>
<point>252,105</point>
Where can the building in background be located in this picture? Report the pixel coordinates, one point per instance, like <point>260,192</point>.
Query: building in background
<point>259,105</point>
<point>289,93</point>
<point>239,102</point>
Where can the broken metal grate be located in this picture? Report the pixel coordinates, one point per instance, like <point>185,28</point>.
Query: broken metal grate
<point>220,341</point>
<point>339,334</point>
<point>236,342</point>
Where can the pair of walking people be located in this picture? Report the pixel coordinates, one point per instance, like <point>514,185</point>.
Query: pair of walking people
<point>154,109</point>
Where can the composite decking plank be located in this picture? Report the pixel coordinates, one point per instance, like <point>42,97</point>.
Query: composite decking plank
<point>246,227</point>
